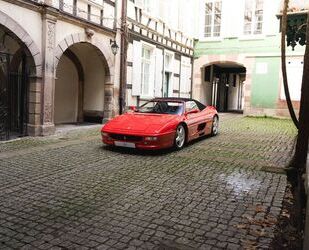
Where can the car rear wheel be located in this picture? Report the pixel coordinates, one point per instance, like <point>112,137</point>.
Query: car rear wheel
<point>215,126</point>
<point>180,137</point>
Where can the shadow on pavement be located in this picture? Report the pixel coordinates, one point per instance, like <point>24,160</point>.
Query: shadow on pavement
<point>140,152</point>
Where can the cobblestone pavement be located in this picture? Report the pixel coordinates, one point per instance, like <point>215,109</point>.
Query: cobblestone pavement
<point>70,192</point>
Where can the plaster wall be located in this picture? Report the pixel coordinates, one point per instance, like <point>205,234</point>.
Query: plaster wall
<point>66,92</point>
<point>94,77</point>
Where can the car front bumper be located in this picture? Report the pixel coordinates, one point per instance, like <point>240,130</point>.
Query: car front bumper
<point>163,141</point>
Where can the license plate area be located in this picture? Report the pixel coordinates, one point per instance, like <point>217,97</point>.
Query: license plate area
<point>124,144</point>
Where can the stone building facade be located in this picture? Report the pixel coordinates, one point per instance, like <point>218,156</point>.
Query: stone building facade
<point>56,64</point>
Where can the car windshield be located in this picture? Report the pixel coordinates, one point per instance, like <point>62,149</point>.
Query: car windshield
<point>162,107</point>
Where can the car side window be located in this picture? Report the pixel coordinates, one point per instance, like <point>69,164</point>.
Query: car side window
<point>191,105</point>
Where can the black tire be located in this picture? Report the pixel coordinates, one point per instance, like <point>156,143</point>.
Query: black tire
<point>180,137</point>
<point>215,126</point>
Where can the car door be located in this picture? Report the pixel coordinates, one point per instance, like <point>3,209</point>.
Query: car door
<point>193,117</point>
<point>207,116</point>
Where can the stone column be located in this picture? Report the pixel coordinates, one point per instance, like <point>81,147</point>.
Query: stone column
<point>109,111</point>
<point>34,102</point>
<point>48,88</point>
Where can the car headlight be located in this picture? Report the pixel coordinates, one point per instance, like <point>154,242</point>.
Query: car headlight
<point>151,138</point>
<point>104,134</point>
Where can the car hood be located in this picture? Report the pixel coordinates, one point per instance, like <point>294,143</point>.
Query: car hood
<point>138,123</point>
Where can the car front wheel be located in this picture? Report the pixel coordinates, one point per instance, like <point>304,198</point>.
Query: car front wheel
<point>215,126</point>
<point>180,137</point>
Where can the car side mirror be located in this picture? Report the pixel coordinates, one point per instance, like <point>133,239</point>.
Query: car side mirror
<point>193,111</point>
<point>133,108</point>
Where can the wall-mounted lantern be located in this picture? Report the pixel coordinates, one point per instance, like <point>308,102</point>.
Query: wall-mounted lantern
<point>114,46</point>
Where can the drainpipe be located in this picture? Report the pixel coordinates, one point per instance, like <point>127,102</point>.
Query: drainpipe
<point>191,83</point>
<point>123,57</point>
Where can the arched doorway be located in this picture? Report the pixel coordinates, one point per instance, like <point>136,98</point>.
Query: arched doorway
<point>80,85</point>
<point>16,63</point>
<point>223,86</point>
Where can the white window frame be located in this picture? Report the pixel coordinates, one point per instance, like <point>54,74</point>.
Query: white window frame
<point>169,69</point>
<point>151,62</point>
<point>254,20</point>
<point>170,66</point>
<point>212,20</point>
<point>147,6</point>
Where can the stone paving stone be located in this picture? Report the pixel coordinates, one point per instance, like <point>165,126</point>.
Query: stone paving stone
<point>213,194</point>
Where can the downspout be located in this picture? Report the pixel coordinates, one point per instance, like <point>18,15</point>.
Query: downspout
<point>163,75</point>
<point>123,57</point>
<point>115,15</point>
<point>192,68</point>
<point>180,72</point>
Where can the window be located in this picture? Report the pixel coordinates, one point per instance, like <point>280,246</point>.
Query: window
<point>167,60</point>
<point>191,105</point>
<point>253,19</point>
<point>162,107</point>
<point>146,64</point>
<point>213,18</point>
<point>147,6</point>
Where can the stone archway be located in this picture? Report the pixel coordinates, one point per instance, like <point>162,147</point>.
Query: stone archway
<point>106,57</point>
<point>32,122</point>
<point>238,60</point>
<point>16,29</point>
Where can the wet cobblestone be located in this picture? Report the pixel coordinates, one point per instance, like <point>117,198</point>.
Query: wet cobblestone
<point>78,194</point>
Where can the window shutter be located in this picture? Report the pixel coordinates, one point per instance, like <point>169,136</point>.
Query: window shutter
<point>183,76</point>
<point>171,86</point>
<point>159,73</point>
<point>189,75</point>
<point>137,68</point>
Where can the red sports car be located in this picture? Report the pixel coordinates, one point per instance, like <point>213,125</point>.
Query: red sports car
<point>162,123</point>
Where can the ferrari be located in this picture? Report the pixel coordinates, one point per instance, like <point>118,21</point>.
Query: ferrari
<point>161,123</point>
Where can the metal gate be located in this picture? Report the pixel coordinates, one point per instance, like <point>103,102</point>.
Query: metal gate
<point>13,99</point>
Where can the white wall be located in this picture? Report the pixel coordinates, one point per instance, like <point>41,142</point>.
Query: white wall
<point>66,92</point>
<point>94,77</point>
<point>233,18</point>
<point>206,93</point>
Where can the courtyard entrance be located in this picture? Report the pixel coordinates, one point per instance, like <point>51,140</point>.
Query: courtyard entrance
<point>224,86</point>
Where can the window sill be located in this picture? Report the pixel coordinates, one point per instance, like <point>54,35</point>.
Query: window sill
<point>251,37</point>
<point>145,97</point>
<point>211,39</point>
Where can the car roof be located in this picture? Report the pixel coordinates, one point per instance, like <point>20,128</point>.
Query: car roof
<point>176,99</point>
<point>180,99</point>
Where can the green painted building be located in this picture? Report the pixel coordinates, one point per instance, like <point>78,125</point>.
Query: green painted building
<point>237,63</point>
